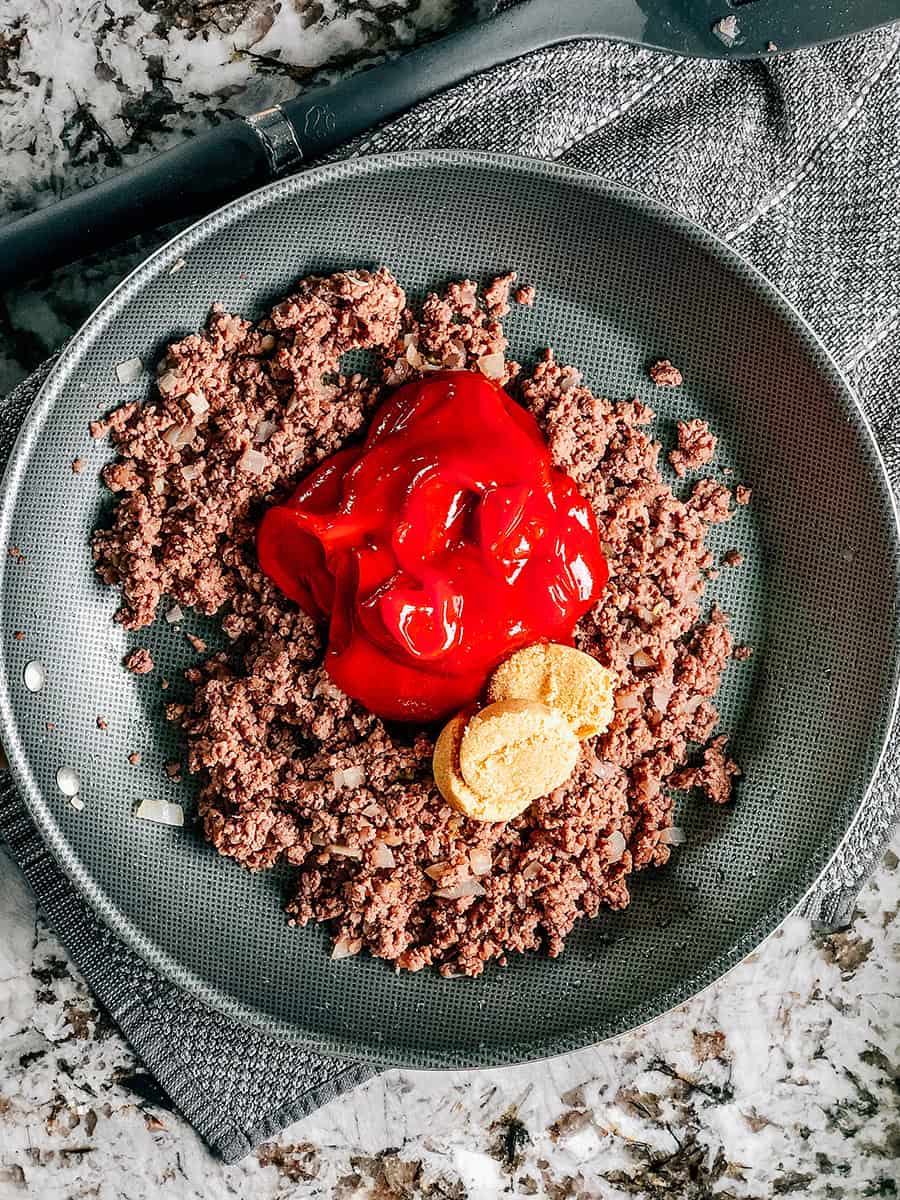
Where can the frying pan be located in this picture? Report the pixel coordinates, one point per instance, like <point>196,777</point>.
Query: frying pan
<point>620,280</point>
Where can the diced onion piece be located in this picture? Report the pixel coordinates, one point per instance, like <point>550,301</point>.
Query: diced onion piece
<point>641,658</point>
<point>532,870</point>
<point>178,265</point>
<point>413,357</point>
<point>264,431</point>
<point>253,462</point>
<point>661,695</point>
<point>67,781</point>
<point>193,471</point>
<point>616,846</point>
<point>167,382</point>
<point>344,851</point>
<point>130,370</point>
<point>163,812</point>
<point>77,803</point>
<point>437,870</point>
<point>178,435</point>
<point>493,366</point>
<point>627,699</point>
<point>174,615</point>
<point>198,402</point>
<point>480,861</point>
<point>466,887</point>
<point>605,770</point>
<point>318,840</point>
<point>693,704</point>
<point>349,777</point>
<point>34,675</point>
<point>673,836</point>
<point>346,947</point>
<point>392,839</point>
<point>383,856</point>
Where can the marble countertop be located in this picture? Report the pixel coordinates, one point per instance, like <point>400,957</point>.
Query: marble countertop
<point>782,1079</point>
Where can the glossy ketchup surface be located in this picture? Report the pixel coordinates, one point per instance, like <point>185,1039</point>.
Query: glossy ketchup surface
<point>437,547</point>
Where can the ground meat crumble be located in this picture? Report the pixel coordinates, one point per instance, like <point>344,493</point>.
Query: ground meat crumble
<point>696,447</point>
<point>292,768</point>
<point>139,661</point>
<point>664,374</point>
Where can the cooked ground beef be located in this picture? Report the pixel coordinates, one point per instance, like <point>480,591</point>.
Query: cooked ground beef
<point>139,661</point>
<point>664,374</point>
<point>291,767</point>
<point>696,447</point>
<point>713,777</point>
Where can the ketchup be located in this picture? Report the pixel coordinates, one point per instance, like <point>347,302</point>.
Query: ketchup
<point>443,543</point>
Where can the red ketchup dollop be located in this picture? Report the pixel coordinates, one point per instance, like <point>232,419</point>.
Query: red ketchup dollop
<point>436,548</point>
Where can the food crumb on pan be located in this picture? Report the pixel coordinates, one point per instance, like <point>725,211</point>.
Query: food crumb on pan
<point>732,558</point>
<point>742,653</point>
<point>526,295</point>
<point>379,855</point>
<point>49,726</point>
<point>138,661</point>
<point>19,635</point>
<point>713,777</point>
<point>742,494</point>
<point>77,466</point>
<point>173,769</point>
<point>134,758</point>
<point>102,724</point>
<point>727,30</point>
<point>711,502</point>
<point>496,294</point>
<point>197,642</point>
<point>664,374</point>
<point>696,447</point>
<point>16,554</point>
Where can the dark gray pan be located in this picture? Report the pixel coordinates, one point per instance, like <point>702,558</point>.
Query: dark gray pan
<point>620,281</point>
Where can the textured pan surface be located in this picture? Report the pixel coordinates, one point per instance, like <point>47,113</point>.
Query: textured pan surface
<point>620,281</point>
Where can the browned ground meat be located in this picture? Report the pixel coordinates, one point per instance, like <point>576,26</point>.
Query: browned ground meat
<point>664,374</point>
<point>139,661</point>
<point>696,447</point>
<point>732,558</point>
<point>742,494</point>
<point>742,653</point>
<point>290,767</point>
<point>713,777</point>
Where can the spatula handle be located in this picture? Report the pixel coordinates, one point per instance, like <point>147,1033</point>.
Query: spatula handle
<point>237,156</point>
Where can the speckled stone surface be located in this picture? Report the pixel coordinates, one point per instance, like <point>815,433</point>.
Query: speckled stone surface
<point>780,1080</point>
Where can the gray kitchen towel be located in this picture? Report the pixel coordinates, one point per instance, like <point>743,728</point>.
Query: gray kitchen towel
<point>794,162</point>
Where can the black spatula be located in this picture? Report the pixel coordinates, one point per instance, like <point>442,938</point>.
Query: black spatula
<point>242,154</point>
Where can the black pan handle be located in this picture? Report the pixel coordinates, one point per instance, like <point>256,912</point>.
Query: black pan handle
<point>239,155</point>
